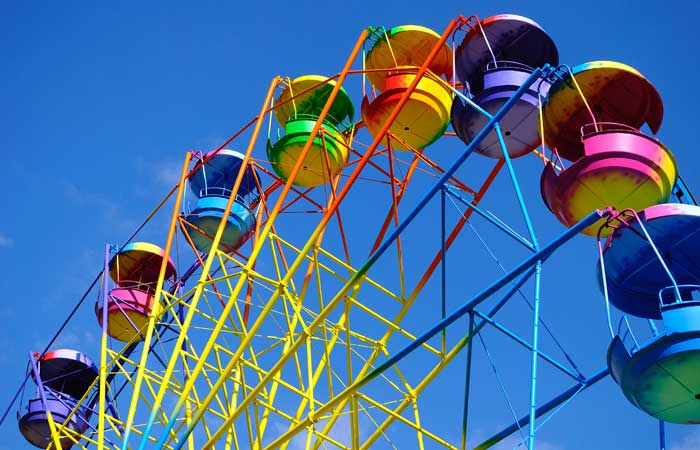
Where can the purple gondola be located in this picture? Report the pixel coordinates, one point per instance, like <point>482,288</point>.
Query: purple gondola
<point>496,56</point>
<point>64,376</point>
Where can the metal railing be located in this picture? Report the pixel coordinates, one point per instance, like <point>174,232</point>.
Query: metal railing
<point>601,127</point>
<point>688,293</point>
<point>505,64</point>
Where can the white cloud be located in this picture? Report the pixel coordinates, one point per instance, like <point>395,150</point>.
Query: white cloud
<point>297,442</point>
<point>169,174</point>
<point>688,442</point>
<point>514,442</point>
<point>342,430</point>
<point>548,446</point>
<point>211,142</point>
<point>6,241</point>
<point>90,199</point>
<point>82,340</point>
<point>106,206</point>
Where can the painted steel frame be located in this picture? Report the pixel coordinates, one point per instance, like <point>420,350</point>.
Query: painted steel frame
<point>516,276</point>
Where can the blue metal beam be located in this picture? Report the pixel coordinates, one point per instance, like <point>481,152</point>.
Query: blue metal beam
<point>443,266</point>
<point>535,350</point>
<point>503,227</point>
<point>541,255</point>
<point>516,187</point>
<point>528,346</point>
<point>475,328</point>
<point>445,177</point>
<point>683,194</point>
<point>556,401</point>
<point>467,382</point>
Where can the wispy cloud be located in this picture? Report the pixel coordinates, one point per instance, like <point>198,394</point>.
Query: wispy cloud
<point>168,174</point>
<point>548,446</point>
<point>212,142</point>
<point>110,211</point>
<point>82,339</point>
<point>166,171</point>
<point>162,172</point>
<point>513,443</point>
<point>90,199</point>
<point>298,442</point>
<point>6,241</point>
<point>688,442</point>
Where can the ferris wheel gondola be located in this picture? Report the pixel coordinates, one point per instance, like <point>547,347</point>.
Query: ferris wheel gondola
<point>301,325</point>
<point>493,60</point>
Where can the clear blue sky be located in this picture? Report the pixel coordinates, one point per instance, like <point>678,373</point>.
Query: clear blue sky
<point>101,101</point>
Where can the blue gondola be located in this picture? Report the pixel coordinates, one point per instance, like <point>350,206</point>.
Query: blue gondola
<point>652,270</point>
<point>212,184</point>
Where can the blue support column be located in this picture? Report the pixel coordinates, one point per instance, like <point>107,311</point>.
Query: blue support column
<point>535,345</point>
<point>443,266</point>
<point>516,187</point>
<point>467,381</point>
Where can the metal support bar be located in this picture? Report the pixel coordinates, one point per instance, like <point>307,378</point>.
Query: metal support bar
<point>541,255</point>
<point>658,256</point>
<point>471,103</point>
<point>155,311</point>
<point>516,187</point>
<point>556,401</point>
<point>443,266</point>
<point>604,278</point>
<point>683,194</point>
<point>453,167</point>
<point>42,395</point>
<point>467,381</point>
<point>103,353</point>
<point>535,349</point>
<point>503,227</point>
<point>528,346</point>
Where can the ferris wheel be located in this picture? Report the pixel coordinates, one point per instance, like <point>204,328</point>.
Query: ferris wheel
<point>322,304</point>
